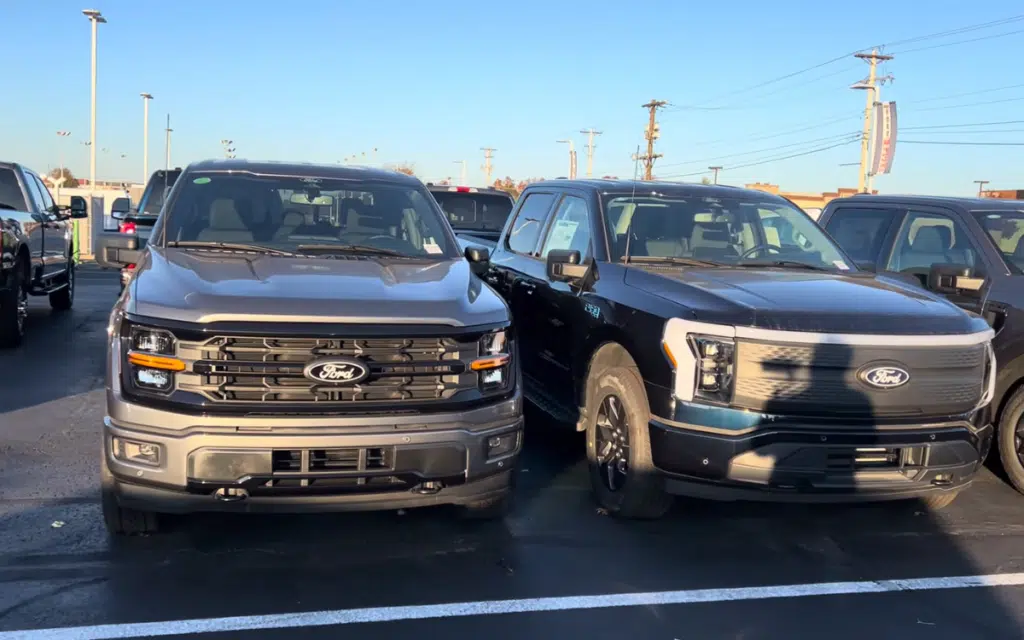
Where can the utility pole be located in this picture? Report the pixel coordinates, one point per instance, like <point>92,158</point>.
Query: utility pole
<point>981,185</point>
<point>871,86</point>
<point>715,170</point>
<point>462,172</point>
<point>572,157</point>
<point>651,133</point>
<point>590,149</point>
<point>146,97</point>
<point>487,166</point>
<point>167,143</point>
<point>229,151</point>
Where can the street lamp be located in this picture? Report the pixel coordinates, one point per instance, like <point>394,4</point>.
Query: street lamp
<point>462,174</point>
<point>572,158</point>
<point>96,18</point>
<point>146,97</point>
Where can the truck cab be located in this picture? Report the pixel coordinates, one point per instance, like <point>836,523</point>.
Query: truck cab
<point>970,251</point>
<point>714,342</point>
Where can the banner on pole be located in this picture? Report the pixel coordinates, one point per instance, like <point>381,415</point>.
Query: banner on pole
<point>884,143</point>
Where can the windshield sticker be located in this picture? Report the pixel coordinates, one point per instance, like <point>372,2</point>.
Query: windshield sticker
<point>430,246</point>
<point>201,181</point>
<point>842,266</point>
<point>562,234</point>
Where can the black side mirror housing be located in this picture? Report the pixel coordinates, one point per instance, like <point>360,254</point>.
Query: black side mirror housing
<point>563,265</point>
<point>953,278</point>
<point>119,248</point>
<point>479,258</point>
<point>79,208</point>
<point>120,208</point>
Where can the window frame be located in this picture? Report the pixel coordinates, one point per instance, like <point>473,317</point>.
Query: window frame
<point>542,234</point>
<point>982,262</point>
<point>887,234</point>
<point>996,258</point>
<point>550,222</point>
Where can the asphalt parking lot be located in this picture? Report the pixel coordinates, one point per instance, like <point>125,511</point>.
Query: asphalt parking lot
<point>556,568</point>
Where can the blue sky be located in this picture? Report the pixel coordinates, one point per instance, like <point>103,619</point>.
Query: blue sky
<point>430,83</point>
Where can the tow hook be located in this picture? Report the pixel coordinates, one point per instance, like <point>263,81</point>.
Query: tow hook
<point>428,488</point>
<point>230,494</point>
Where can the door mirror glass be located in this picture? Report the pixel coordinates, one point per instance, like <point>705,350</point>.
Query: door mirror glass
<point>120,208</point>
<point>563,265</point>
<point>79,209</point>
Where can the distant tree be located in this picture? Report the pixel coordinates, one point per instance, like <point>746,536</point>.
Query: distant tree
<point>70,181</point>
<point>609,177</point>
<point>514,187</point>
<point>405,167</point>
<point>705,180</point>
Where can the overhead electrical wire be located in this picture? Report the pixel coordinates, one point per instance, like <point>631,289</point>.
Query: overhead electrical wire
<point>780,134</point>
<point>963,143</point>
<point>950,44</point>
<point>965,94</point>
<point>963,124</point>
<point>764,161</point>
<point>832,138</point>
<point>969,104</point>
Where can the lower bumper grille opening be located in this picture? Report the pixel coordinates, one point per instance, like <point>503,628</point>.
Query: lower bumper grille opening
<point>864,458</point>
<point>330,460</point>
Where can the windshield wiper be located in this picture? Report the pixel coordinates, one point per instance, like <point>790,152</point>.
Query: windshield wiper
<point>674,260</point>
<point>786,264</point>
<point>6,207</point>
<point>229,246</point>
<point>350,248</point>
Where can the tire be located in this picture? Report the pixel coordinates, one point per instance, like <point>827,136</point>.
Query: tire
<point>63,299</point>
<point>118,520</point>
<point>617,390</point>
<point>13,308</point>
<point>1011,439</point>
<point>937,501</point>
<point>494,509</point>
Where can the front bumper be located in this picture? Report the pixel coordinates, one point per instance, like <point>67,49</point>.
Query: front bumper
<point>793,461</point>
<point>321,464</point>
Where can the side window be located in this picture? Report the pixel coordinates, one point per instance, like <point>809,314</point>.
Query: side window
<point>10,191</point>
<point>45,193</point>
<point>861,232</point>
<point>570,228</point>
<point>32,186</point>
<point>927,239</point>
<point>526,228</point>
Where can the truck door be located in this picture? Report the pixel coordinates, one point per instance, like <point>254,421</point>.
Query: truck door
<point>56,235</point>
<point>865,232</point>
<point>36,231</point>
<point>517,272</point>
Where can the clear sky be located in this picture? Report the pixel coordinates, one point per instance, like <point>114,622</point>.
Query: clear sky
<point>430,83</point>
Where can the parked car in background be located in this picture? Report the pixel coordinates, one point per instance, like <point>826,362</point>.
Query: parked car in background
<point>477,215</point>
<point>36,248</point>
<point>714,342</point>
<point>300,337</point>
<point>969,250</point>
<point>139,220</point>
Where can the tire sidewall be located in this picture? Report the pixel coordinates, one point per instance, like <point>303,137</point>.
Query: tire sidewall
<point>1008,456</point>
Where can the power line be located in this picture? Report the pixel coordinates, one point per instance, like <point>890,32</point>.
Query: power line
<point>767,160</point>
<point>728,107</point>
<point>959,30</point>
<point>970,133</point>
<point>813,141</point>
<point>780,134</point>
<point>967,93</point>
<point>956,42</point>
<point>969,104</point>
<point>964,124</point>
<point>962,143</point>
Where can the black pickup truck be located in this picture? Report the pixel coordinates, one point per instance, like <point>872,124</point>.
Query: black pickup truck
<point>37,254</point>
<point>969,250</point>
<point>477,215</point>
<point>714,342</point>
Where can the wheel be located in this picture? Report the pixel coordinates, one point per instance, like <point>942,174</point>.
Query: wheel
<point>64,298</point>
<point>118,520</point>
<point>622,471</point>
<point>494,509</point>
<point>14,308</point>
<point>1011,439</point>
<point>937,501</point>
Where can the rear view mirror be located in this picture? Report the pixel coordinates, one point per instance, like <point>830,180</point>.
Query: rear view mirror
<point>302,198</point>
<point>79,209</point>
<point>120,208</point>
<point>953,278</point>
<point>564,265</point>
<point>119,248</point>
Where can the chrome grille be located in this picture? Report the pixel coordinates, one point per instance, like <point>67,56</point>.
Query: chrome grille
<point>241,369</point>
<point>823,379</point>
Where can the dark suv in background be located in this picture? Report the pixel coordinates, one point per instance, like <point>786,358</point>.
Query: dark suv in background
<point>477,215</point>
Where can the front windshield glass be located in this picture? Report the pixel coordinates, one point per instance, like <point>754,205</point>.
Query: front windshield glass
<point>292,213</point>
<point>720,230</point>
<point>1006,229</point>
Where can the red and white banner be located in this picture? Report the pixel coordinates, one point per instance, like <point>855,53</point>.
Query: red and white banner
<point>884,143</point>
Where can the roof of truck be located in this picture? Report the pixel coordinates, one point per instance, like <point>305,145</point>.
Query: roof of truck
<point>964,202</point>
<point>649,187</point>
<point>302,170</point>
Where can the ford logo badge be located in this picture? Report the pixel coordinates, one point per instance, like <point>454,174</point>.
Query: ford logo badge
<point>885,377</point>
<point>337,371</point>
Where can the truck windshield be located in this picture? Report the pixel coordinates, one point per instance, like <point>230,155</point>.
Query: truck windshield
<point>1006,229</point>
<point>725,231</point>
<point>475,211</point>
<point>289,213</point>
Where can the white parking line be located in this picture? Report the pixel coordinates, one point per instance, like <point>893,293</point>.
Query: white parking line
<point>493,607</point>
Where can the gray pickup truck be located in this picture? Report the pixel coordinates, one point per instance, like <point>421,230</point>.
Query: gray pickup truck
<point>37,248</point>
<point>299,337</point>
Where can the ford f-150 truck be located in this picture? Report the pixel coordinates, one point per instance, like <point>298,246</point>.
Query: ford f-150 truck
<point>970,250</point>
<point>37,248</point>
<point>302,337</point>
<point>714,342</point>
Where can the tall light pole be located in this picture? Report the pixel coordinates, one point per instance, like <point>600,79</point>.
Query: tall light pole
<point>462,174</point>
<point>572,157</point>
<point>590,149</point>
<point>981,185</point>
<point>167,143</point>
<point>146,97</point>
<point>96,18</point>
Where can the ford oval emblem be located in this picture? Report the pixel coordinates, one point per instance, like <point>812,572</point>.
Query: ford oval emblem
<point>337,371</point>
<point>885,377</point>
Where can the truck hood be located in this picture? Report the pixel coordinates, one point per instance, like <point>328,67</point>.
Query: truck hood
<point>791,300</point>
<point>202,287</point>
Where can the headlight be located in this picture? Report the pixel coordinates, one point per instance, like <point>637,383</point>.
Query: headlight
<point>494,361</point>
<point>715,363</point>
<point>151,361</point>
<point>492,344</point>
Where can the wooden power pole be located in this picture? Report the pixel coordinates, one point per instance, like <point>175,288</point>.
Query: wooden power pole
<point>590,149</point>
<point>651,133</point>
<point>871,85</point>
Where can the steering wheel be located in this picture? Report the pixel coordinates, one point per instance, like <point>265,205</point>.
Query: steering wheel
<point>768,248</point>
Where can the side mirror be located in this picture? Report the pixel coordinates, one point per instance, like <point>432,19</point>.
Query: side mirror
<point>119,248</point>
<point>564,265</point>
<point>79,209</point>
<point>479,258</point>
<point>120,208</point>
<point>953,278</point>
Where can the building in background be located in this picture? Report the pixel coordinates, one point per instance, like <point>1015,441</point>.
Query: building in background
<point>1004,194</point>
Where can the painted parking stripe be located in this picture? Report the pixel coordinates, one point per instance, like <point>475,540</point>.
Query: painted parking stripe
<point>494,607</point>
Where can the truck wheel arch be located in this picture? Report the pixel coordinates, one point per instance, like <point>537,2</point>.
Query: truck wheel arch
<point>603,348</point>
